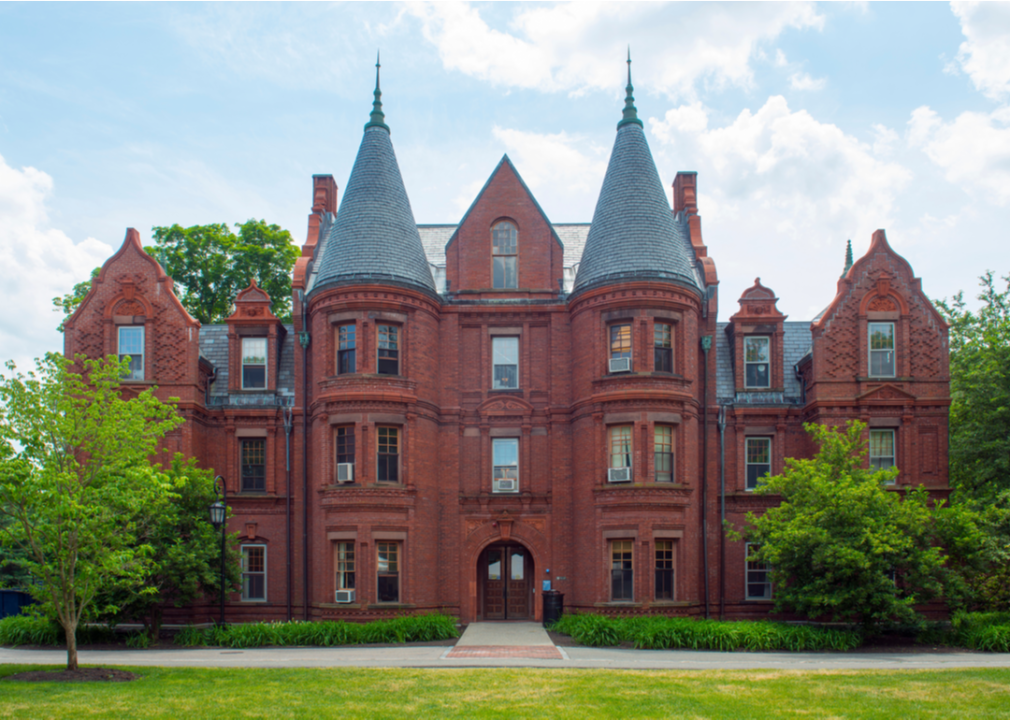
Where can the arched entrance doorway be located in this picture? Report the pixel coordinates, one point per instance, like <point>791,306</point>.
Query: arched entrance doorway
<point>505,582</point>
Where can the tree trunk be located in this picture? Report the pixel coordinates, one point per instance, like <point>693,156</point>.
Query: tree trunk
<point>71,634</point>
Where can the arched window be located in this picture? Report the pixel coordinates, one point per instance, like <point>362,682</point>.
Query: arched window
<point>504,261</point>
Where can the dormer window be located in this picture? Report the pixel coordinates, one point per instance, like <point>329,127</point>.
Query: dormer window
<point>254,363</point>
<point>131,349</point>
<point>757,362</point>
<point>504,249</point>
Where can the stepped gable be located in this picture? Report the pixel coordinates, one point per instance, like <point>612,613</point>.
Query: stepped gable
<point>634,234</point>
<point>374,236</point>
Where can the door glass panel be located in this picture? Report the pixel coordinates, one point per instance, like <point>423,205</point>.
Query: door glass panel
<point>517,564</point>
<point>494,565</point>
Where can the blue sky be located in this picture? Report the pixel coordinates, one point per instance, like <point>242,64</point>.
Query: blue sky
<point>808,125</point>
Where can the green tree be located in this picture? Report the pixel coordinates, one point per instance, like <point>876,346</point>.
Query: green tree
<point>186,550</point>
<point>841,544</point>
<point>210,265</point>
<point>980,392</point>
<point>75,481</point>
<point>68,304</point>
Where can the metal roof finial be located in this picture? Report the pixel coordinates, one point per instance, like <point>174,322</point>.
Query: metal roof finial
<point>848,258</point>
<point>630,111</point>
<point>377,118</point>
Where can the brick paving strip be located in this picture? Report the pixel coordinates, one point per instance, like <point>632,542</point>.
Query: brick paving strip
<point>540,652</point>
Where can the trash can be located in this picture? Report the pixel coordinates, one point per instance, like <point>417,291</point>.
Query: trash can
<point>554,606</point>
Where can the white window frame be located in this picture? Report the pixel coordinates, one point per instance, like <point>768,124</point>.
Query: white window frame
<point>119,345</point>
<point>496,341</point>
<point>871,351</point>
<point>495,444</point>
<point>767,342</point>
<point>748,463</point>
<point>747,576</point>
<point>881,432</point>
<point>245,573</point>
<point>265,364</point>
<point>498,251</point>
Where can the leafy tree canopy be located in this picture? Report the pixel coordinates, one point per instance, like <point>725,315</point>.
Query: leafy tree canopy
<point>980,391</point>
<point>76,482</point>
<point>842,545</point>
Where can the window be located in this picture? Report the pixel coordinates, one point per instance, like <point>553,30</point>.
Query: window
<point>504,245</point>
<point>620,446</point>
<point>505,363</point>
<point>131,348</point>
<point>389,454</point>
<point>389,350</point>
<point>664,570</point>
<point>882,450</point>
<point>345,454</point>
<point>388,571</point>
<point>254,363</point>
<point>506,464</point>
<point>664,453</point>
<point>663,347</point>
<point>759,584</point>
<point>759,460</point>
<point>254,466</point>
<point>346,349</point>
<point>622,574</point>
<point>620,342</point>
<point>881,349</point>
<point>254,573</point>
<point>756,362</point>
<point>345,566</point>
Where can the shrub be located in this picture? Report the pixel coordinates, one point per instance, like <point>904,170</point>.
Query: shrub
<point>665,633</point>
<point>982,631</point>
<point>36,629</point>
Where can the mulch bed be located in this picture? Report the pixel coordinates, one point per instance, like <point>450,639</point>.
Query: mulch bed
<point>78,675</point>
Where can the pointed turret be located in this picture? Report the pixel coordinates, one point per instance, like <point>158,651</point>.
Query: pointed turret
<point>848,258</point>
<point>635,235</point>
<point>374,237</point>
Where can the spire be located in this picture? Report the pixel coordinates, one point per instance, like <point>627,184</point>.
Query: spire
<point>630,112</point>
<point>377,118</point>
<point>848,258</point>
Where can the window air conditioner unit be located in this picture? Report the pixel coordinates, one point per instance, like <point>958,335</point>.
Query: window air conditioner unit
<point>620,365</point>
<point>506,485</point>
<point>345,473</point>
<point>619,475</point>
<point>345,596</point>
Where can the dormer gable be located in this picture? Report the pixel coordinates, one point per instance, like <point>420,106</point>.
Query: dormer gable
<point>756,338</point>
<point>505,244</point>
<point>254,342</point>
<point>132,311</point>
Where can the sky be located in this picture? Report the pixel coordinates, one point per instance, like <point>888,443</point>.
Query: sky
<point>808,125</point>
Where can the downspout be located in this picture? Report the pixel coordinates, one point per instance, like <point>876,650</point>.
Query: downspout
<point>303,340</point>
<point>706,345</point>
<point>287,411</point>
<point>722,512</point>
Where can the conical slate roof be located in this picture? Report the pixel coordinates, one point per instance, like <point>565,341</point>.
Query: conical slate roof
<point>634,235</point>
<point>374,237</point>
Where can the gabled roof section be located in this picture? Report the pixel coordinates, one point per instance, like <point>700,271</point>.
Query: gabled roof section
<point>634,234</point>
<point>374,236</point>
<point>498,168</point>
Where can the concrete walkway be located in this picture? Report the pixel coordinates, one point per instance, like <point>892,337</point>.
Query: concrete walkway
<point>502,640</point>
<point>573,657</point>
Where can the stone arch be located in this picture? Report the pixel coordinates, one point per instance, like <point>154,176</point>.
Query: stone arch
<point>502,528</point>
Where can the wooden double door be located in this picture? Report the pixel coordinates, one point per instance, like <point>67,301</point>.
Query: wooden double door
<point>506,573</point>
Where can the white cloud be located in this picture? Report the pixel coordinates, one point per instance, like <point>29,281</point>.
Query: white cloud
<point>985,54</point>
<point>973,150</point>
<point>37,263</point>
<point>803,81</point>
<point>577,47</point>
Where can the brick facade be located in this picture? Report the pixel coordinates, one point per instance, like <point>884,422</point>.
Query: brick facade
<point>419,508</point>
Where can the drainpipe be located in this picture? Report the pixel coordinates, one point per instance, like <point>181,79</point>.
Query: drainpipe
<point>722,512</point>
<point>287,411</point>
<point>706,345</point>
<point>303,340</point>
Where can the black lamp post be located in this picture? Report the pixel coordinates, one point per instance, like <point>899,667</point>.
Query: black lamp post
<point>218,518</point>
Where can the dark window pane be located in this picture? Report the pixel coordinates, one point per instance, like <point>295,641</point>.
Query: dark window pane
<point>389,362</point>
<point>664,359</point>
<point>664,583</point>
<point>757,375</point>
<point>255,587</point>
<point>254,376</point>
<point>346,362</point>
<point>253,463</point>
<point>621,582</point>
<point>345,445</point>
<point>755,473</point>
<point>389,588</point>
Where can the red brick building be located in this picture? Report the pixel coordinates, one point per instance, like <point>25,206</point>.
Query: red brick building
<point>460,414</point>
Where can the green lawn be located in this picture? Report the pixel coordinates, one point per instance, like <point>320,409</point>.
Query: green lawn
<point>505,693</point>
